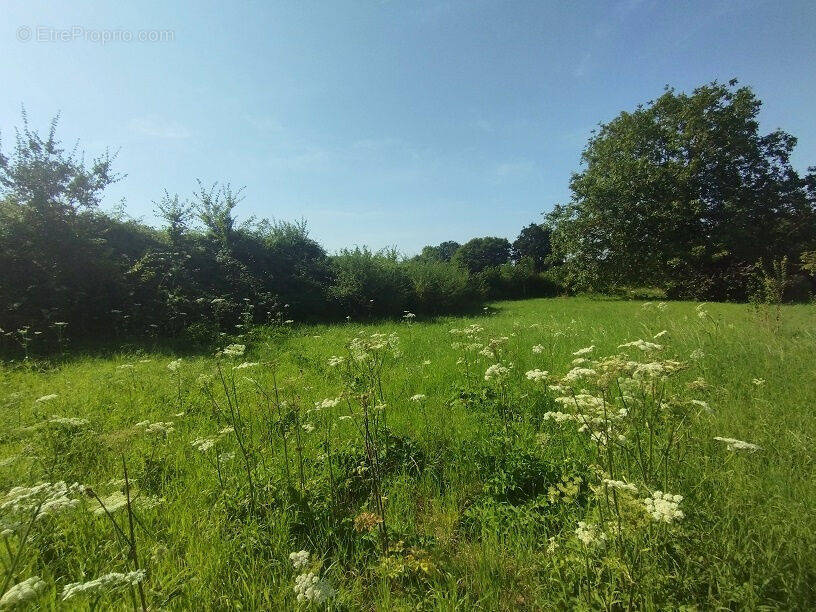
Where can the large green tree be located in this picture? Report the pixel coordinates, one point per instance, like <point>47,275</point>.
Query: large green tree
<point>534,242</point>
<point>686,194</point>
<point>479,254</point>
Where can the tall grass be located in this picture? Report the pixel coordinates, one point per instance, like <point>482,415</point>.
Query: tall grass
<point>402,466</point>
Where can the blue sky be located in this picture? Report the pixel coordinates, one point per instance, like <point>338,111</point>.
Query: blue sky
<point>384,123</point>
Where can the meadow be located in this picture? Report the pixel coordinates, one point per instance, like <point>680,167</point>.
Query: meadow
<point>548,454</point>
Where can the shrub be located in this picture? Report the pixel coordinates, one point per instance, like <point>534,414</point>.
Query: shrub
<point>369,284</point>
<point>440,287</point>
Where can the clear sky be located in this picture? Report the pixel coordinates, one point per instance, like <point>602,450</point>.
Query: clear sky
<point>398,123</point>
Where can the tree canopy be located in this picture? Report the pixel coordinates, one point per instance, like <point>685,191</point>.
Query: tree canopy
<point>478,254</point>
<point>686,194</point>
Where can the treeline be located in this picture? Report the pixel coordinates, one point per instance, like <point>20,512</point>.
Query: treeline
<point>681,198</point>
<point>70,269</point>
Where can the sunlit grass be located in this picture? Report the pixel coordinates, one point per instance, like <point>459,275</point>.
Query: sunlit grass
<point>481,493</point>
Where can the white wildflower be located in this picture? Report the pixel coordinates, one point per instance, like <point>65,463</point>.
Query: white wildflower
<point>643,345</point>
<point>46,398</point>
<point>537,375</point>
<point>23,593</point>
<point>579,373</point>
<point>497,371</point>
<point>733,444</point>
<point>660,334</point>
<point>234,350</point>
<point>584,351</point>
<point>620,485</point>
<point>590,534</point>
<point>204,444</point>
<point>419,397</point>
<point>335,361</point>
<point>68,422</point>
<point>174,365</point>
<point>758,382</point>
<point>664,507</point>
<point>329,402</point>
<point>310,588</point>
<point>299,559</point>
<point>114,581</point>
<point>245,365</point>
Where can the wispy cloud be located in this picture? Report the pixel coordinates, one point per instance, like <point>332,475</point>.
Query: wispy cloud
<point>156,127</point>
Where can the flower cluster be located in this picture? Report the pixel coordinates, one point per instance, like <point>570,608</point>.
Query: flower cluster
<point>664,507</point>
<point>234,350</point>
<point>299,559</point>
<point>109,583</point>
<point>49,498</point>
<point>310,588</point>
<point>590,535</point>
<point>537,375</point>
<point>620,485</point>
<point>22,594</point>
<point>733,444</point>
<point>497,372</point>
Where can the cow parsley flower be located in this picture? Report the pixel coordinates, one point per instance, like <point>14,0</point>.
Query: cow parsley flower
<point>204,444</point>
<point>234,350</point>
<point>660,334</point>
<point>758,382</point>
<point>590,535</point>
<point>537,375</point>
<point>329,402</point>
<point>620,485</point>
<point>697,354</point>
<point>419,397</point>
<point>335,361</point>
<point>584,351</point>
<point>112,582</point>
<point>46,398</point>
<point>299,559</point>
<point>50,498</point>
<point>22,593</point>
<point>576,374</point>
<point>643,345</point>
<point>174,365</point>
<point>538,348</point>
<point>733,444</point>
<point>158,429</point>
<point>68,422</point>
<point>497,371</point>
<point>310,588</point>
<point>245,365</point>
<point>664,507</point>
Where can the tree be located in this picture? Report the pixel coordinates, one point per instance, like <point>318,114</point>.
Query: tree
<point>534,242</point>
<point>442,252</point>
<point>686,194</point>
<point>481,253</point>
<point>57,263</point>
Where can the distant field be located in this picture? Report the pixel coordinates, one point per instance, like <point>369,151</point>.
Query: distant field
<point>461,493</point>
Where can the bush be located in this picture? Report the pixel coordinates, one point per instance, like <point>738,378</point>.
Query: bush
<point>441,287</point>
<point>369,284</point>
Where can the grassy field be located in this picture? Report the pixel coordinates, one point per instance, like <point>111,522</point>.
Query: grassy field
<point>426,469</point>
